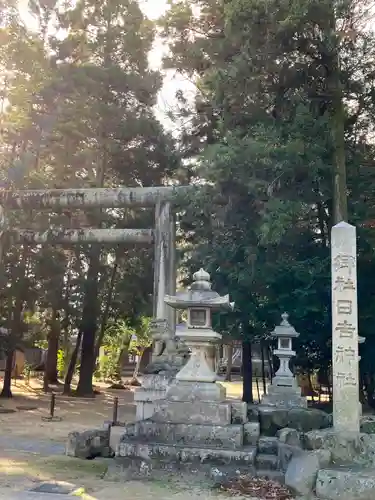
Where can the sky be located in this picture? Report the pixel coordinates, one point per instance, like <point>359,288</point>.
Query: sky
<point>173,81</point>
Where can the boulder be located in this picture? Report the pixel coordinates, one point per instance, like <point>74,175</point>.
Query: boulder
<point>305,420</point>
<point>303,469</point>
<point>89,444</point>
<point>273,418</point>
<point>345,447</point>
<point>346,483</point>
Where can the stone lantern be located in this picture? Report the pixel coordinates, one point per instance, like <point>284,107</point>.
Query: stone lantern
<point>197,380</point>
<point>284,390</point>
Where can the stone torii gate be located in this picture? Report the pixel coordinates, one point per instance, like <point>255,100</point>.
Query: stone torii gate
<point>162,236</point>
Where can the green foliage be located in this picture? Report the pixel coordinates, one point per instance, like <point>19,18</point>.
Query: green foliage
<point>263,137</point>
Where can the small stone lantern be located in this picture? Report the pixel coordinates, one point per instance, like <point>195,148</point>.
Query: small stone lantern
<point>284,390</point>
<point>197,380</point>
<point>284,333</point>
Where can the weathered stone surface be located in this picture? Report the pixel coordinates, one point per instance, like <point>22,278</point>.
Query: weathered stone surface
<point>201,412</point>
<point>88,444</point>
<point>345,447</point>
<point>200,391</point>
<point>286,453</point>
<point>346,483</point>
<point>251,433</point>
<point>86,236</point>
<point>272,419</point>
<point>239,412</point>
<point>150,451</point>
<point>303,469</point>
<point>214,436</point>
<point>345,373</point>
<point>91,197</point>
<point>305,420</point>
<point>268,444</point>
<point>368,425</point>
<point>289,436</point>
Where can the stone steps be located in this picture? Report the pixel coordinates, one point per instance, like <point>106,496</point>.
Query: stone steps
<point>200,454</point>
<point>214,436</point>
<point>268,445</point>
<point>265,461</point>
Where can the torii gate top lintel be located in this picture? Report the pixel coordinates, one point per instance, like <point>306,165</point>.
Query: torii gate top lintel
<point>88,198</point>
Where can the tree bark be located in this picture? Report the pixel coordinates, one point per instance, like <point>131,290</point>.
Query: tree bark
<point>72,365</point>
<point>247,372</point>
<point>7,385</point>
<point>50,369</point>
<point>106,310</point>
<point>88,326</point>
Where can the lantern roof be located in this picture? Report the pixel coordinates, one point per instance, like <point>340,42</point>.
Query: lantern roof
<point>200,294</point>
<point>285,329</point>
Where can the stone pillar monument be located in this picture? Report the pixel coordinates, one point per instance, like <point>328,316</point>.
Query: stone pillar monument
<point>345,371</point>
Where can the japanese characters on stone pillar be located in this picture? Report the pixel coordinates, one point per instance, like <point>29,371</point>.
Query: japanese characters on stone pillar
<point>345,370</point>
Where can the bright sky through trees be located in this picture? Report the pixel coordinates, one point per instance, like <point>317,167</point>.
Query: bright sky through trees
<point>153,9</point>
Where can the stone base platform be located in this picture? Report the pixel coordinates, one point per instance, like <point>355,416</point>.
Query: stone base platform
<point>349,483</point>
<point>287,396</point>
<point>198,435</point>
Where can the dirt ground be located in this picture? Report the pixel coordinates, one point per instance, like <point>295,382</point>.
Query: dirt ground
<point>20,469</point>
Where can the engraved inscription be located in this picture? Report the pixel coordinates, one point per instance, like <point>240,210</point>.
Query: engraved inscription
<point>345,379</point>
<point>339,354</point>
<point>344,307</point>
<point>344,261</point>
<point>345,329</point>
<point>342,284</point>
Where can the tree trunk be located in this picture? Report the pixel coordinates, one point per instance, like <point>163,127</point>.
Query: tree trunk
<point>72,365</point>
<point>50,369</point>
<point>7,385</point>
<point>106,310</point>
<point>247,372</point>
<point>228,375</point>
<point>88,326</point>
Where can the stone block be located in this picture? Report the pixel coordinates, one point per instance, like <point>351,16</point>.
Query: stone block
<point>302,472</point>
<point>346,483</point>
<point>199,391</point>
<point>115,435</point>
<point>268,444</point>
<point>201,412</point>
<point>214,436</point>
<point>239,412</point>
<point>286,453</point>
<point>345,447</point>
<point>251,433</point>
<point>198,455</point>
<point>89,444</point>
